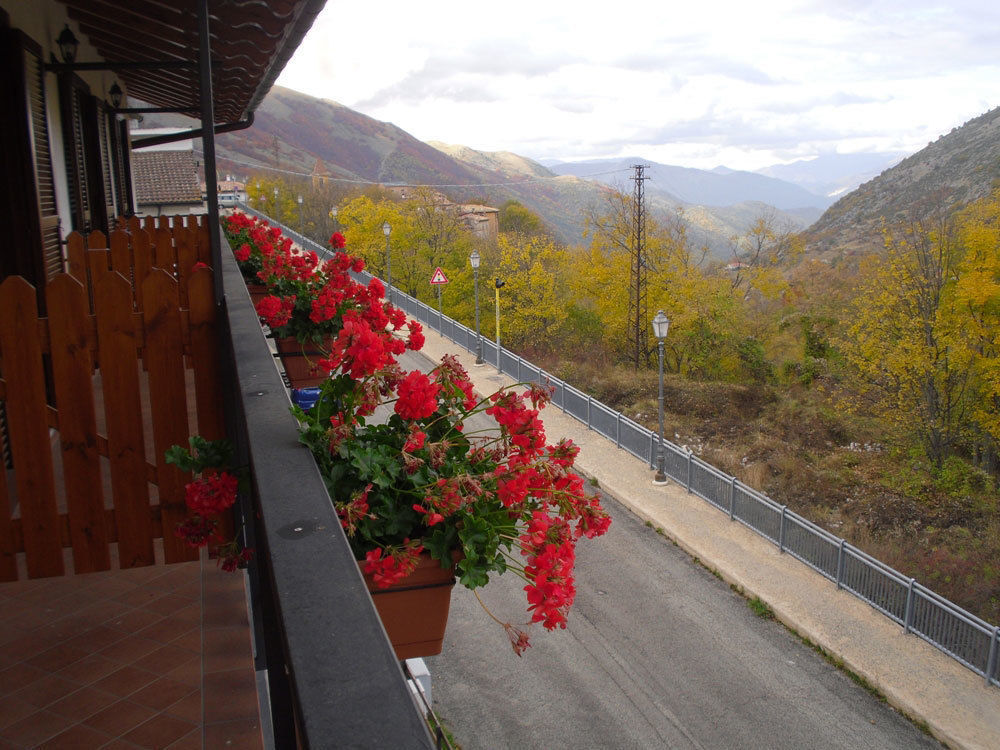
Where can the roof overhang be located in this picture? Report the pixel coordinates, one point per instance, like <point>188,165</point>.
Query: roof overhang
<point>251,41</point>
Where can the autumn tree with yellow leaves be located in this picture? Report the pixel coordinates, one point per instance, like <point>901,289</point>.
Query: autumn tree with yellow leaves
<point>924,338</point>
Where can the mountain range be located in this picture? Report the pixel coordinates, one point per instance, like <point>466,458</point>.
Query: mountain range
<point>292,131</point>
<point>957,168</point>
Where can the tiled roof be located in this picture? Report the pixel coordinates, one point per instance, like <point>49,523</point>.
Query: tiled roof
<point>165,177</point>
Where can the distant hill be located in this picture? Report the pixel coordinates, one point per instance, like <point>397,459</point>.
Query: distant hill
<point>718,187</point>
<point>957,168</point>
<point>833,175</point>
<point>293,130</point>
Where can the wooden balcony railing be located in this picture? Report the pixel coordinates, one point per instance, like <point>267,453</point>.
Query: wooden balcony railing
<point>93,393</point>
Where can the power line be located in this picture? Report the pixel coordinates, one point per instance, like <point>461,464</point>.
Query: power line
<point>410,184</point>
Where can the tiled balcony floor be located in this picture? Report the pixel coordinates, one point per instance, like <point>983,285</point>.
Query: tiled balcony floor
<point>156,657</point>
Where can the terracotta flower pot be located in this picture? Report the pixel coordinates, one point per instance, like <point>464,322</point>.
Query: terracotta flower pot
<point>414,611</point>
<point>300,362</point>
<point>257,293</point>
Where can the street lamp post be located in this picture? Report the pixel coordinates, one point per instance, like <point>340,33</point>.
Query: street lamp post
<point>387,230</point>
<point>474,262</point>
<point>333,217</point>
<point>300,214</point>
<point>499,284</point>
<point>661,324</point>
<point>276,217</point>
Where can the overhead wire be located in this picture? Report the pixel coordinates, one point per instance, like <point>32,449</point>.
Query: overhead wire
<point>512,183</point>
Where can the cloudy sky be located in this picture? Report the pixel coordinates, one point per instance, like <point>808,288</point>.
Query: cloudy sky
<point>699,83</point>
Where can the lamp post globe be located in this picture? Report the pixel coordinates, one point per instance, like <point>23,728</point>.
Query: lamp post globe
<point>661,325</point>
<point>474,261</point>
<point>387,230</point>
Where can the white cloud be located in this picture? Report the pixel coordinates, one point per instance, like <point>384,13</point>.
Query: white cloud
<point>717,82</point>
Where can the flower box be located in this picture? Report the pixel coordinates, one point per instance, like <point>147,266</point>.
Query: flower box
<point>301,362</point>
<point>414,611</point>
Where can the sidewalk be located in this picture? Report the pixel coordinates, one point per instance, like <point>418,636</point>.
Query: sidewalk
<point>916,678</point>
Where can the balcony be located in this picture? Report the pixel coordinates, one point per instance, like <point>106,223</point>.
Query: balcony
<point>290,653</point>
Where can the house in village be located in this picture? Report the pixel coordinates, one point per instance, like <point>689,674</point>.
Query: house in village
<point>116,343</point>
<point>483,221</point>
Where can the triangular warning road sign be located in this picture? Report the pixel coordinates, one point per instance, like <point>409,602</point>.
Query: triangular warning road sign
<point>439,277</point>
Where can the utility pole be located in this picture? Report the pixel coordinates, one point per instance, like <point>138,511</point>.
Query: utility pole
<point>638,313</point>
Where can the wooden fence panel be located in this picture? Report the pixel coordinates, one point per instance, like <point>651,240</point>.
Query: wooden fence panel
<point>121,254</point>
<point>27,409</point>
<point>149,224</point>
<point>205,354</point>
<point>71,340</point>
<point>118,348</point>
<point>8,559</point>
<point>142,255</point>
<point>204,242</point>
<point>164,358</point>
<point>76,257</point>
<point>187,256</point>
<point>163,249</point>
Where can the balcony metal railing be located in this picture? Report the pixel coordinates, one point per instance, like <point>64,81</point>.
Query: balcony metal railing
<point>332,678</point>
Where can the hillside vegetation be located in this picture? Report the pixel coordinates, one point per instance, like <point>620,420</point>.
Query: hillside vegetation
<point>864,395</point>
<point>956,169</point>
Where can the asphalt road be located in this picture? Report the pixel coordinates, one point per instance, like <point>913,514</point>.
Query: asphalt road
<point>658,653</point>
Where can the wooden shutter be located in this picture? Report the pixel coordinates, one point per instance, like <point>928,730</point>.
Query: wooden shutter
<point>107,169</point>
<point>72,92</point>
<point>52,255</point>
<point>27,187</point>
<point>94,159</point>
<point>124,151</point>
<point>117,164</point>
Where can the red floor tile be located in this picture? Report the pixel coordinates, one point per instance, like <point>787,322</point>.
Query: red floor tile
<point>125,681</point>
<point>230,695</point>
<point>115,660</point>
<point>163,631</point>
<point>36,728</point>
<point>132,620</point>
<point>46,690</point>
<point>188,707</point>
<point>165,658</point>
<point>58,657</point>
<point>95,639</point>
<point>76,738</point>
<point>162,693</point>
<point>225,648</point>
<point>191,640</point>
<point>13,709</point>
<point>18,676</point>
<point>120,718</point>
<point>242,733</point>
<point>190,741</point>
<point>89,669</point>
<point>188,673</point>
<point>167,604</point>
<point>129,649</point>
<point>160,731</point>
<point>84,703</point>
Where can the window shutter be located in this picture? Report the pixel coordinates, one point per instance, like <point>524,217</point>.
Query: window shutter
<point>51,247</point>
<point>106,167</point>
<point>72,91</point>
<point>27,192</point>
<point>124,151</point>
<point>117,164</point>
